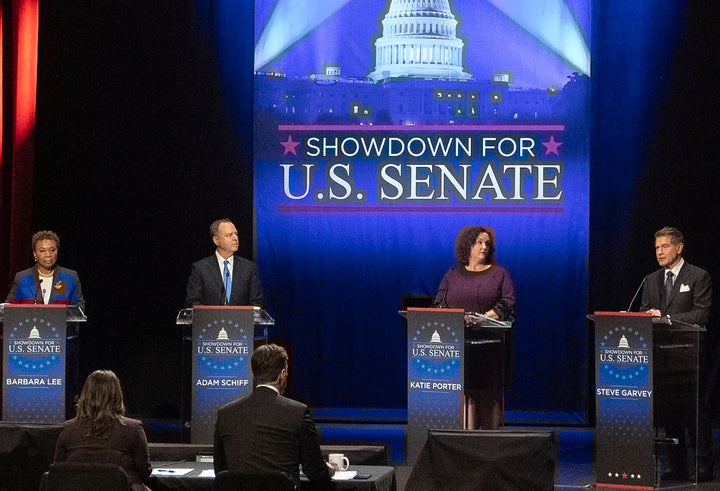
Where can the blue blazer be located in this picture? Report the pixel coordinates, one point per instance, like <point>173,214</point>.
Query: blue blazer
<point>65,288</point>
<point>205,285</point>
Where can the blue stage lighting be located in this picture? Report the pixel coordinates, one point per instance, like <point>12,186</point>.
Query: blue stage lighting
<point>290,21</point>
<point>554,25</point>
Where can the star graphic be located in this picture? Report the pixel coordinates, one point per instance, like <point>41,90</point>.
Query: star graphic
<point>552,146</point>
<point>290,146</point>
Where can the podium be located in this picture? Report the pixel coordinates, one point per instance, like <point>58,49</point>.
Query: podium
<point>438,341</point>
<point>644,365</point>
<point>40,362</point>
<point>221,341</point>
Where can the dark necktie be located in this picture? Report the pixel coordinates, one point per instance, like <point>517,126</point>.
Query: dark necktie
<point>668,285</point>
<point>228,282</point>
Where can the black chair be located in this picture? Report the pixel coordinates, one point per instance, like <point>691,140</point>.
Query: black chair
<point>72,476</point>
<point>253,481</point>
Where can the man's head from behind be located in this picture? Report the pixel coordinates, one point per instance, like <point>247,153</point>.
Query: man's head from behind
<point>270,366</point>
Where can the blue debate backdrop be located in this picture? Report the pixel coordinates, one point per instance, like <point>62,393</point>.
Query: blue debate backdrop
<point>379,133</point>
<point>381,128</point>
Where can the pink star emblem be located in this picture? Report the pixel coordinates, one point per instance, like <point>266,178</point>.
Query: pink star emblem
<point>290,146</point>
<point>552,146</point>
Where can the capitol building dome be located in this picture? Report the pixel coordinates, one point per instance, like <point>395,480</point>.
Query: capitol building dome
<point>419,41</point>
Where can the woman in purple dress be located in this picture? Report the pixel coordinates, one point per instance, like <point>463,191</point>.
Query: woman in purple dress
<point>478,285</point>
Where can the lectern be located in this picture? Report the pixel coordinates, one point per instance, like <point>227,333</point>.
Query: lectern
<point>642,363</point>
<point>437,345</point>
<point>222,340</point>
<point>40,362</point>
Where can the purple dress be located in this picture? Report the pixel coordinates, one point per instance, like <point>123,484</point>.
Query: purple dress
<point>488,366</point>
<point>478,291</point>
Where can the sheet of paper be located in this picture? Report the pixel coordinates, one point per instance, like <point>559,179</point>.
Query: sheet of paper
<point>207,473</point>
<point>170,471</point>
<point>344,475</point>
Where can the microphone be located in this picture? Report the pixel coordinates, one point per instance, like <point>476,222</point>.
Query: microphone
<point>224,296</point>
<point>442,304</point>
<point>636,293</point>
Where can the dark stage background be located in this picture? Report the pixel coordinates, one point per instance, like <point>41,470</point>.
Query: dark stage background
<point>136,154</point>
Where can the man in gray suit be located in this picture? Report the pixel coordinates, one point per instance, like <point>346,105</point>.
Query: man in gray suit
<point>682,293</point>
<point>224,278</point>
<point>267,432</point>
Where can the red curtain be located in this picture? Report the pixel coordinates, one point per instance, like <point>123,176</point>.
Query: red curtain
<point>18,83</point>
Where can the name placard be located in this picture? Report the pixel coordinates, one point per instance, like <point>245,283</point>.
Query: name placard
<point>222,342</point>
<point>34,352</point>
<point>436,350</point>
<point>624,434</point>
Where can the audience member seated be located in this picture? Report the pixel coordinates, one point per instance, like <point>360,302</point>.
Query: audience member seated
<point>100,432</point>
<point>267,432</point>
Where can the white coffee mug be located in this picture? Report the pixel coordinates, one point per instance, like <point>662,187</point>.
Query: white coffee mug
<point>339,461</point>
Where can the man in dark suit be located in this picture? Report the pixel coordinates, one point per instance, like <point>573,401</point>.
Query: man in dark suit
<point>224,278</point>
<point>267,432</point>
<point>682,293</point>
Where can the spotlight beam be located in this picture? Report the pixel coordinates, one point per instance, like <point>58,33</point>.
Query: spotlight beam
<point>553,24</point>
<point>290,21</point>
